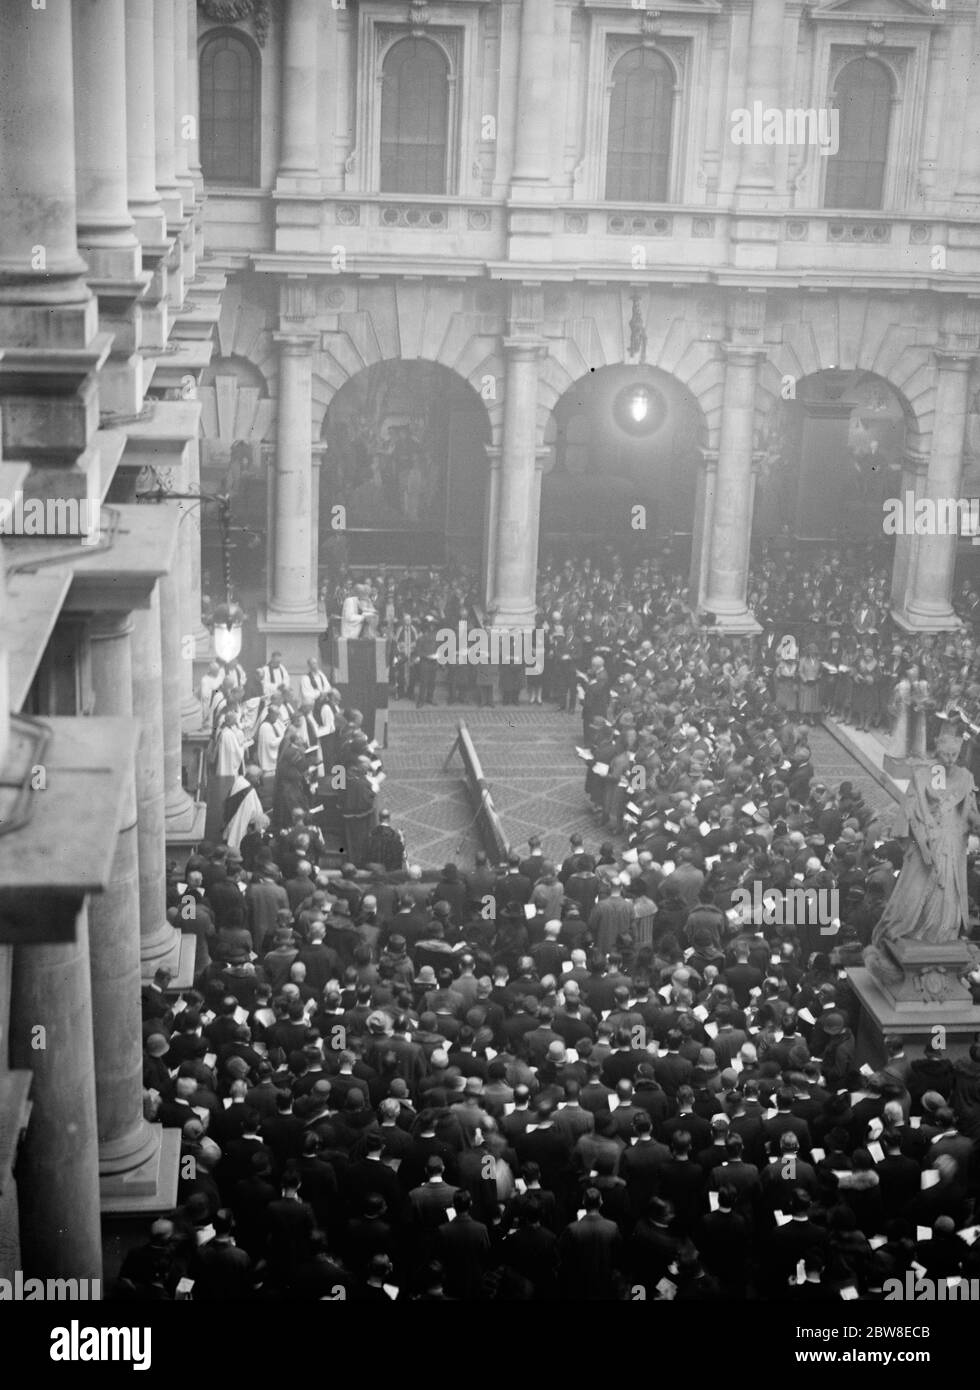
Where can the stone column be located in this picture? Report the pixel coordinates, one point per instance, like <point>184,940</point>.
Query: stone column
<point>757,166</point>
<point>533,148</point>
<point>915,466</point>
<point>45,304</point>
<point>703,519</point>
<point>928,605</point>
<point>181,104</point>
<point>126,1142</point>
<point>184,127</point>
<point>731,504</point>
<point>37,158</point>
<point>159,942</point>
<point>968,183</point>
<point>293,590</point>
<point>294,619</point>
<point>520,481</point>
<point>490,513</point>
<point>180,811</point>
<point>58,1170</point>
<point>106,233</point>
<point>194,101</point>
<point>299,154</point>
<point>101,160</point>
<point>164,89</point>
<point>144,198</point>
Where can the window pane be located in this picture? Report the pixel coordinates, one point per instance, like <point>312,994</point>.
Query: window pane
<point>856,174</point>
<point>638,150</point>
<point>229,112</point>
<point>414,118</point>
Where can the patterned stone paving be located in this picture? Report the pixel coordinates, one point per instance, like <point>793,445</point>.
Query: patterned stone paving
<point>537,782</point>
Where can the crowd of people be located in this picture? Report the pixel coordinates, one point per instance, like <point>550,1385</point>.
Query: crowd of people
<point>277,753</point>
<point>847,657</point>
<point>631,1074</point>
<point>591,1079</point>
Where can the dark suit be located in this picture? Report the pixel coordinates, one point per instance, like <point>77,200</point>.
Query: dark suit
<point>590,1252</point>
<point>463,1246</point>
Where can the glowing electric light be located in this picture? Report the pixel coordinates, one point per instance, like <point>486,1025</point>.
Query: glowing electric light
<point>639,405</point>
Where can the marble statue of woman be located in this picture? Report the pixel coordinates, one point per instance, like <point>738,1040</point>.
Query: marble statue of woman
<point>929,902</point>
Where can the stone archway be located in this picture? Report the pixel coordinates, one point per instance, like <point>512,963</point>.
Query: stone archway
<point>405,457</point>
<point>622,437</point>
<point>830,455</point>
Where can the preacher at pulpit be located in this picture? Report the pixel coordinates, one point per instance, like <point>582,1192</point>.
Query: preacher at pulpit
<point>929,903</point>
<point>358,616</point>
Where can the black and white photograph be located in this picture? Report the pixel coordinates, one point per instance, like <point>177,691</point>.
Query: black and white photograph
<point>489,671</point>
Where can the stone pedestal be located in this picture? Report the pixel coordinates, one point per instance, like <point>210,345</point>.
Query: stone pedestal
<point>916,1018</point>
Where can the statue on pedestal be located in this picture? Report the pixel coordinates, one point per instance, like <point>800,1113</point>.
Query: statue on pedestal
<point>920,929</point>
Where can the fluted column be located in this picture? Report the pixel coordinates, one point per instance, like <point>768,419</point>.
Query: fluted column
<point>757,167</point>
<point>299,154</point>
<point>144,197</point>
<point>293,590</point>
<point>37,158</point>
<point>533,151</point>
<point>58,1168</point>
<point>928,606</point>
<point>165,109</point>
<point>126,1141</point>
<point>159,943</point>
<point>730,508</point>
<point>519,488</point>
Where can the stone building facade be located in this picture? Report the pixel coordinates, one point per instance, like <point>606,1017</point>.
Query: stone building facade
<point>585,190</point>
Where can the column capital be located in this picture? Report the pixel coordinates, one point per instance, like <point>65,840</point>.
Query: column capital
<point>110,627</point>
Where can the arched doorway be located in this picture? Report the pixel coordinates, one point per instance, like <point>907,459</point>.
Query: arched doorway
<point>831,456</point>
<point>406,458</point>
<point>620,438</point>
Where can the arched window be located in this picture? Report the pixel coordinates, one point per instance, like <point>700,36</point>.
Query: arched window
<point>229,111</point>
<point>638,148</point>
<point>856,173</point>
<point>414,118</point>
